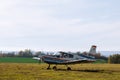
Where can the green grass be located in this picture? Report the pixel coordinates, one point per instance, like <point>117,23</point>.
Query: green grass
<point>101,61</point>
<point>17,60</point>
<point>16,71</point>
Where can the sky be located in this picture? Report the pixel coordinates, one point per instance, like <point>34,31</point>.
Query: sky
<point>55,25</point>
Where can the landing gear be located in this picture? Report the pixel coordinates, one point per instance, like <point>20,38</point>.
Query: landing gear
<point>54,68</point>
<point>68,68</point>
<point>48,67</point>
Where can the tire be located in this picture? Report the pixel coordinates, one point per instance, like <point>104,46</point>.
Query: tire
<point>54,68</point>
<point>68,68</point>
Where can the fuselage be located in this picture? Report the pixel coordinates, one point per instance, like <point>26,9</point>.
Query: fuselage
<point>67,59</point>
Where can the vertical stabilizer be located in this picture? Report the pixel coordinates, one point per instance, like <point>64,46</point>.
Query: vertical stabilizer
<point>93,49</point>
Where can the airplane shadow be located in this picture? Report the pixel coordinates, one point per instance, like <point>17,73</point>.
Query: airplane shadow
<point>87,70</point>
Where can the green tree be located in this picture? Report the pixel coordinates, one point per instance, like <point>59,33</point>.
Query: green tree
<point>115,58</point>
<point>25,53</point>
<point>37,53</point>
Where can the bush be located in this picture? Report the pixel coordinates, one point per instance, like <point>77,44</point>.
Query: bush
<point>115,59</point>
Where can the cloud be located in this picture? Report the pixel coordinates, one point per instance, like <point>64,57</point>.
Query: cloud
<point>58,24</point>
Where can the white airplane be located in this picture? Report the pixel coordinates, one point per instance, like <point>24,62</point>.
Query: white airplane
<point>68,58</point>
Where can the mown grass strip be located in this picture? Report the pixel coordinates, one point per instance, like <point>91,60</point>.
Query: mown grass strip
<point>17,60</point>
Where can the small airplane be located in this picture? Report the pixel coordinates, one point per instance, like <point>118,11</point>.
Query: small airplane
<point>68,58</point>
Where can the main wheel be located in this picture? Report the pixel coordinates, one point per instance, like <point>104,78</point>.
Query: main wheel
<point>68,68</point>
<point>54,67</point>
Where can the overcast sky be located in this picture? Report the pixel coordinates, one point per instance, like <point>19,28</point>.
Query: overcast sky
<point>53,25</point>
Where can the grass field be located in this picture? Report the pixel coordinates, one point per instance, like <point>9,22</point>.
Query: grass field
<point>33,71</point>
<point>17,60</point>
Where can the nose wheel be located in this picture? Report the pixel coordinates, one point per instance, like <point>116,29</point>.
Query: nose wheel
<point>68,68</point>
<point>54,68</point>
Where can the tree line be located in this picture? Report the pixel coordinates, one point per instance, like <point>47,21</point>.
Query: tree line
<point>114,59</point>
<point>30,53</point>
<point>22,53</point>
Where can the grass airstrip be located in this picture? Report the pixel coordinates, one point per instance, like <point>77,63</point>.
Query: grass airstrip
<point>35,71</point>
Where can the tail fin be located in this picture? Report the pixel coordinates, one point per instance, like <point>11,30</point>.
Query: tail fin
<point>93,49</point>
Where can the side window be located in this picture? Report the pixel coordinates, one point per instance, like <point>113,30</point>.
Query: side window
<point>70,56</point>
<point>58,56</point>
